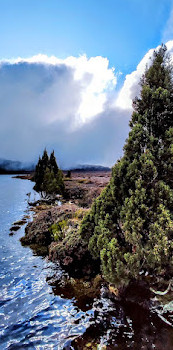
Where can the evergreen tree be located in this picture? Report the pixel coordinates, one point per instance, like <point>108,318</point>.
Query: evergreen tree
<point>50,183</point>
<point>45,160</point>
<point>48,177</point>
<point>38,176</point>
<point>53,163</point>
<point>130,225</point>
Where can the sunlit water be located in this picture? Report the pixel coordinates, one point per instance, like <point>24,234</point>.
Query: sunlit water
<point>33,316</point>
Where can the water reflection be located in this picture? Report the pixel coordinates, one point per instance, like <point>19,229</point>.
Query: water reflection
<point>122,327</point>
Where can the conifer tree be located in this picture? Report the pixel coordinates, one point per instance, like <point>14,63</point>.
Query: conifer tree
<point>53,163</point>
<point>38,176</point>
<point>48,177</point>
<point>130,225</point>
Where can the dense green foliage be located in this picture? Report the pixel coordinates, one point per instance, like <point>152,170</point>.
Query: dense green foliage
<point>48,177</point>
<point>130,225</point>
<point>57,230</point>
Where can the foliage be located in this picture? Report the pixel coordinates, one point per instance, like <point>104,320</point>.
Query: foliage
<point>58,229</point>
<point>130,225</point>
<point>79,213</point>
<point>48,177</point>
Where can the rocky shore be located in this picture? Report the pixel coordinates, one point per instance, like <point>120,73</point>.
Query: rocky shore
<point>55,225</point>
<point>54,232</point>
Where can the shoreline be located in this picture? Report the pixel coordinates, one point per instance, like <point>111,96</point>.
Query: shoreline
<point>81,283</point>
<point>65,245</point>
<point>55,227</point>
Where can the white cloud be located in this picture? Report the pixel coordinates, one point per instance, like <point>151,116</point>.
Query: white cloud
<point>131,87</point>
<point>46,101</point>
<point>70,105</point>
<point>169,46</point>
<point>93,75</point>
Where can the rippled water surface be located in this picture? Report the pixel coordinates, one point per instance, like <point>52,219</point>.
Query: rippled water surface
<point>31,316</point>
<point>34,316</point>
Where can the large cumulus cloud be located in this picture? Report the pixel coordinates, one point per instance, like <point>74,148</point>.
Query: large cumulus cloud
<point>131,87</point>
<point>70,105</point>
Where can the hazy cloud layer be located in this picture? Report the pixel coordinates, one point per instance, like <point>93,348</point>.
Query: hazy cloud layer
<point>70,105</point>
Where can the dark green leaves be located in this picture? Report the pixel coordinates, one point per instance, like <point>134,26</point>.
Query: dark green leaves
<point>130,225</point>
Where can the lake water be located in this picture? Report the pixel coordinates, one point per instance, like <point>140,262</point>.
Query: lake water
<point>33,316</point>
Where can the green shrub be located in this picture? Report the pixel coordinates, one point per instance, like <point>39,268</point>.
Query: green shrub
<point>58,230</point>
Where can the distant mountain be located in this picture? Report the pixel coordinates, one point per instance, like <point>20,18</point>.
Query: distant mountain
<point>87,167</point>
<point>8,166</point>
<point>15,167</point>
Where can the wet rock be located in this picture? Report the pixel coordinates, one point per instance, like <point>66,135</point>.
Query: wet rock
<point>15,228</point>
<point>20,222</point>
<point>82,290</point>
<point>39,249</point>
<point>11,233</point>
<point>37,231</point>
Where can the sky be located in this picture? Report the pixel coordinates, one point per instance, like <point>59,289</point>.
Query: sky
<point>69,71</point>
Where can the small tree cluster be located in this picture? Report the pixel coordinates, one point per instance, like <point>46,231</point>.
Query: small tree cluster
<point>130,225</point>
<point>48,177</point>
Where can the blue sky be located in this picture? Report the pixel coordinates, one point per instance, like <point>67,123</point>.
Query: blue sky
<point>69,72</point>
<point>121,30</point>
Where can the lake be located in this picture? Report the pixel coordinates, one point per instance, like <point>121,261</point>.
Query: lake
<point>34,316</point>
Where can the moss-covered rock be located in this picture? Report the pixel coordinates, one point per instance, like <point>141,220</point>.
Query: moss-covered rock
<point>38,231</point>
<point>72,253</point>
<point>57,229</point>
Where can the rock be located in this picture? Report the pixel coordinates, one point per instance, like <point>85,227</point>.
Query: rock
<point>66,245</point>
<point>37,231</point>
<point>70,250</point>
<point>83,291</point>
<point>73,255</point>
<point>20,222</point>
<point>11,233</point>
<point>15,228</point>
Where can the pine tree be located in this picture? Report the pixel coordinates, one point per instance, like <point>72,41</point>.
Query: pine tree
<point>50,184</point>
<point>48,177</point>
<point>53,163</point>
<point>38,176</point>
<point>130,225</point>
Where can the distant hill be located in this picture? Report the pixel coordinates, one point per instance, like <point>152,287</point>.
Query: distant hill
<point>8,166</point>
<point>86,167</point>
